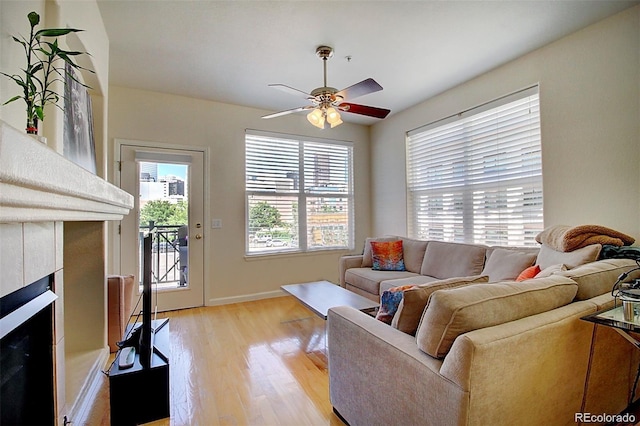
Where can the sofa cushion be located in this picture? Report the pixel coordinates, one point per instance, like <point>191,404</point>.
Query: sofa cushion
<point>369,280</point>
<point>387,255</point>
<point>367,259</point>
<point>446,260</point>
<point>389,302</point>
<point>505,264</point>
<point>597,278</point>
<point>548,256</point>
<point>413,251</point>
<point>450,313</point>
<point>415,299</point>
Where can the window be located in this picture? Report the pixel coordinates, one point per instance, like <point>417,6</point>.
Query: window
<point>299,194</point>
<point>477,177</point>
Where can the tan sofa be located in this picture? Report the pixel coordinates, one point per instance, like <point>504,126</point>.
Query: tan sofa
<point>428,261</point>
<point>499,353</point>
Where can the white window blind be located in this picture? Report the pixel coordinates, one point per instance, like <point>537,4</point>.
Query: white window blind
<point>299,193</point>
<point>477,177</point>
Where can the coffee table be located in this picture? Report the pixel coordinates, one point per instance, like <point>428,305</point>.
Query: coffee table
<point>319,296</point>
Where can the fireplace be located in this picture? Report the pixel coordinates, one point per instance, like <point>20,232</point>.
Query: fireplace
<point>54,219</point>
<point>27,387</point>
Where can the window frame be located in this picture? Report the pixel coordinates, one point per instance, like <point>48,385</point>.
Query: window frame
<point>465,208</point>
<point>304,193</point>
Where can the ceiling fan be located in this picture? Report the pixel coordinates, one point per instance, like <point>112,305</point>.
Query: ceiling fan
<point>326,102</point>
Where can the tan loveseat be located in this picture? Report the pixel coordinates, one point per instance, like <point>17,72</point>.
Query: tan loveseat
<point>493,353</point>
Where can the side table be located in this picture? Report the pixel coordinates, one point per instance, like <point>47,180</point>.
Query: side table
<point>614,318</point>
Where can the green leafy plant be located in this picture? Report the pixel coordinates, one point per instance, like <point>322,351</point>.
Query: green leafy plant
<point>45,65</point>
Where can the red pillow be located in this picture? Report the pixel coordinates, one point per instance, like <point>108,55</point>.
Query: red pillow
<point>529,273</point>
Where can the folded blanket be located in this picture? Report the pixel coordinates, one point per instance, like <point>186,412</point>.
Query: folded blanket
<point>569,238</point>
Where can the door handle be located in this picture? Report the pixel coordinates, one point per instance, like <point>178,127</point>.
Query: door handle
<point>198,236</point>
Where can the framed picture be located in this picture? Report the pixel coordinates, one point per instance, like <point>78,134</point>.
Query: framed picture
<point>79,145</point>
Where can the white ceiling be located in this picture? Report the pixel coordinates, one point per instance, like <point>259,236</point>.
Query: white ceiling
<point>229,51</point>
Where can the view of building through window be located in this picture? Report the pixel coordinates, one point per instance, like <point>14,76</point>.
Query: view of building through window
<point>164,209</point>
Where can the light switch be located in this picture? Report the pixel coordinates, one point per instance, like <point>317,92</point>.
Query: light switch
<point>216,223</point>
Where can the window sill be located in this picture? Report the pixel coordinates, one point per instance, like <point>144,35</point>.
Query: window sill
<point>295,253</point>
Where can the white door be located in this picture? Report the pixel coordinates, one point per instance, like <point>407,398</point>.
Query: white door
<point>168,188</point>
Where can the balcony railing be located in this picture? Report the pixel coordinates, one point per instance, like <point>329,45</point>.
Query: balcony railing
<point>169,254</point>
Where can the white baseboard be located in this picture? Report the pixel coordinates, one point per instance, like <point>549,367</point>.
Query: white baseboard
<point>245,298</point>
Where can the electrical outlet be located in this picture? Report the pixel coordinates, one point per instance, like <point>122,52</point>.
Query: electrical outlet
<point>216,223</point>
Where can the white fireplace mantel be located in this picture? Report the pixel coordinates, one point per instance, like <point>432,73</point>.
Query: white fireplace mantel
<point>37,184</point>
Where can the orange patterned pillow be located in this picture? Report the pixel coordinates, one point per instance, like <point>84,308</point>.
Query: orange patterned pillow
<point>529,273</point>
<point>387,256</point>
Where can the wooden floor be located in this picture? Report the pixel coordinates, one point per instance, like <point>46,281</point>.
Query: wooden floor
<point>253,363</point>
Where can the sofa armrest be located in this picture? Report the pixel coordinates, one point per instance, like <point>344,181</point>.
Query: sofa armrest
<point>533,368</point>
<point>346,262</point>
<point>378,375</point>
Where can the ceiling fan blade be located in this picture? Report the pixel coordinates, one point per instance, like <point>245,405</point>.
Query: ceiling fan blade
<point>360,89</point>
<point>364,110</point>
<point>289,89</point>
<point>288,111</point>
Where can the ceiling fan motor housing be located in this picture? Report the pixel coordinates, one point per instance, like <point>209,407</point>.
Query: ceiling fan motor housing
<point>324,52</point>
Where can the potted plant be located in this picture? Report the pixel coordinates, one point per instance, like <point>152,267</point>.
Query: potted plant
<point>45,65</point>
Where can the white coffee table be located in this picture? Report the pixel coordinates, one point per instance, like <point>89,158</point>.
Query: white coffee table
<point>320,296</point>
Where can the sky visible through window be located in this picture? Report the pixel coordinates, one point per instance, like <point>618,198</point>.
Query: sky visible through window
<point>179,170</point>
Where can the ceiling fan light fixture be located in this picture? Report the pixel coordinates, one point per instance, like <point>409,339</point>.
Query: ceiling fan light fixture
<point>333,117</point>
<point>316,117</point>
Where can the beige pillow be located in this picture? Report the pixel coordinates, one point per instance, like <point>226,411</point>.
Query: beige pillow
<point>456,311</point>
<point>367,257</point>
<point>505,264</point>
<point>414,300</point>
<point>547,272</point>
<point>548,256</point>
<point>413,252</point>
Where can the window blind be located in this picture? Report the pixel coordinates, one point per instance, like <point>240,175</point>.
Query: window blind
<point>299,193</point>
<point>477,177</point>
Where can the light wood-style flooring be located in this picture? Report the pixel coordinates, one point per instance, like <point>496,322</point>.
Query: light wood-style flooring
<point>252,363</point>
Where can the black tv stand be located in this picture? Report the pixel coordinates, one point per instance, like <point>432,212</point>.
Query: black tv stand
<point>138,394</point>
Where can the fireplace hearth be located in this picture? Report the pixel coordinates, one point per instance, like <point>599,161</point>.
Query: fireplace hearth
<point>27,388</point>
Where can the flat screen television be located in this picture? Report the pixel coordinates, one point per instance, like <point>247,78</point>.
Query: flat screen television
<point>141,334</point>
<point>146,337</point>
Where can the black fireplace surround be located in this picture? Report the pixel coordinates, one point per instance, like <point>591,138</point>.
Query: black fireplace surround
<point>26,355</point>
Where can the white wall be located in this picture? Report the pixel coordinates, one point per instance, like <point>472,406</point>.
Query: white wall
<point>156,117</point>
<point>590,119</point>
<point>57,14</point>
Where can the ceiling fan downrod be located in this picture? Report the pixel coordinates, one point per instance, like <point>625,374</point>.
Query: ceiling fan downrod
<point>324,96</point>
<point>324,53</point>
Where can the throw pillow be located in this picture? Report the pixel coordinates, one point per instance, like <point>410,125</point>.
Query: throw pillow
<point>387,256</point>
<point>547,272</point>
<point>506,265</point>
<point>415,299</point>
<point>367,260</point>
<point>389,302</point>
<point>456,311</point>
<point>530,272</point>
<point>570,259</point>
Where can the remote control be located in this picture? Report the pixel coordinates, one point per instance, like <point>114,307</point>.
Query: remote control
<point>126,357</point>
